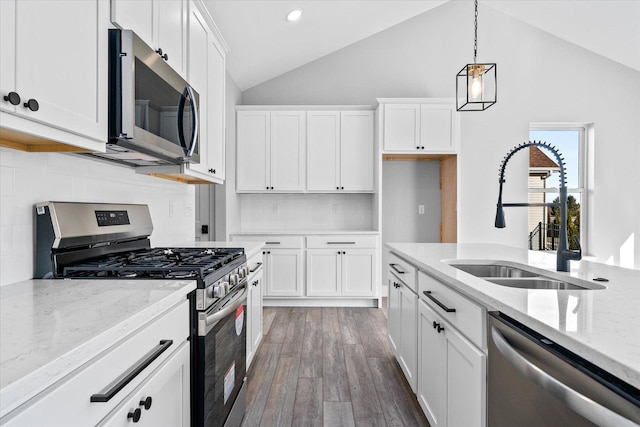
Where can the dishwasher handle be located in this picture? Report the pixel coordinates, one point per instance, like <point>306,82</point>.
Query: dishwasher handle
<point>579,403</point>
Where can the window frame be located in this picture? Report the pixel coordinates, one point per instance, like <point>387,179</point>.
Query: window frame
<point>585,149</point>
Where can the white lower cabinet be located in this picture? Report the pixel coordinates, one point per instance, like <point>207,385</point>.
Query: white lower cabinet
<point>254,306</point>
<point>328,266</point>
<point>403,327</point>
<point>451,373</point>
<point>340,272</point>
<point>283,271</point>
<point>163,399</point>
<point>152,361</point>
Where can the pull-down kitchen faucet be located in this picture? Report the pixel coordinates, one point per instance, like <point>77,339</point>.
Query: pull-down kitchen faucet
<point>564,253</point>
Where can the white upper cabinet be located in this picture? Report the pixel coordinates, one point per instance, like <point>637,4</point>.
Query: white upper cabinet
<point>271,151</point>
<point>356,151</point>
<point>253,150</point>
<point>422,126</point>
<point>162,24</point>
<point>323,150</point>
<point>401,127</point>
<point>339,151</point>
<point>53,70</point>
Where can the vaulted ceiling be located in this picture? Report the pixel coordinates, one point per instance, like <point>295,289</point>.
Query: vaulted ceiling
<point>264,45</point>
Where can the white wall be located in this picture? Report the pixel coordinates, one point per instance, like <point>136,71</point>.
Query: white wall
<point>541,78</point>
<point>30,178</point>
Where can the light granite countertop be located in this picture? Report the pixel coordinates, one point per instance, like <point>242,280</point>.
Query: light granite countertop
<point>48,328</point>
<point>602,326</point>
<point>305,233</point>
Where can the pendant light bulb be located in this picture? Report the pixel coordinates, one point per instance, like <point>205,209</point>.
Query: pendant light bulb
<point>476,86</point>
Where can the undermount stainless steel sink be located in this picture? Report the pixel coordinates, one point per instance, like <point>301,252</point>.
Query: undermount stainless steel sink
<point>505,273</point>
<point>538,283</point>
<point>493,270</point>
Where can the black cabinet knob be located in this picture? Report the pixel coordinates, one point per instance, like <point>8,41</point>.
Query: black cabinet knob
<point>440,328</point>
<point>272,188</point>
<point>135,415</point>
<point>212,171</point>
<point>268,252</point>
<point>422,148</point>
<point>342,188</point>
<point>434,324</point>
<point>159,51</point>
<point>13,98</point>
<point>165,57</point>
<point>32,105</point>
<point>417,147</point>
<point>337,188</point>
<point>267,188</point>
<point>264,252</point>
<point>146,403</point>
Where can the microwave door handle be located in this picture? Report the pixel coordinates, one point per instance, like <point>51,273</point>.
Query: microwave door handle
<point>183,97</point>
<point>194,121</point>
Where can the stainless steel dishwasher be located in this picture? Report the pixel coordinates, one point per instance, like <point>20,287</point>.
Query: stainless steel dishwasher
<point>533,381</point>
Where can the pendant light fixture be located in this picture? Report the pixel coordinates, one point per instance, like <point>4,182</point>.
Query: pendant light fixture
<point>476,84</point>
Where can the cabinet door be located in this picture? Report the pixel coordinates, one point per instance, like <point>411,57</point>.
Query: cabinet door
<point>43,59</point>
<point>393,314</point>
<point>401,127</point>
<point>253,151</point>
<point>256,308</point>
<point>323,150</point>
<point>284,273</point>
<point>169,390</point>
<point>216,105</point>
<point>356,150</point>
<point>358,272</point>
<point>408,329</point>
<point>432,369</point>
<point>323,272</point>
<point>466,382</point>
<point>197,62</point>
<point>436,128</point>
<point>172,32</point>
<point>135,15</point>
<point>288,136</point>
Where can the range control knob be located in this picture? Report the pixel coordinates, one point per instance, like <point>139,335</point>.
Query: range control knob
<point>233,279</point>
<point>220,290</point>
<point>241,273</point>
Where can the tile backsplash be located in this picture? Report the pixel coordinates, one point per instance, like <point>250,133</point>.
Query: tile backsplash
<point>304,212</point>
<point>30,178</point>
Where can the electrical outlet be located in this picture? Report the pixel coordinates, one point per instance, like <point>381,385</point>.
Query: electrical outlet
<point>188,208</point>
<point>421,209</point>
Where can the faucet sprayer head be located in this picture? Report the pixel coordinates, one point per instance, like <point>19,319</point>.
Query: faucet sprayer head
<point>500,215</point>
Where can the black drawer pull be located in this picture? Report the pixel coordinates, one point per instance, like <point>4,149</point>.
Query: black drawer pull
<point>441,305</point>
<point>124,379</point>
<point>272,243</point>
<point>396,269</point>
<point>256,267</point>
<point>341,243</point>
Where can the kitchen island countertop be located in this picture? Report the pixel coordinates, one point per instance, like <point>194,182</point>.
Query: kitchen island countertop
<point>602,326</point>
<point>49,328</point>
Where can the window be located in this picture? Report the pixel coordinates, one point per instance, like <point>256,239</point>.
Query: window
<point>544,183</point>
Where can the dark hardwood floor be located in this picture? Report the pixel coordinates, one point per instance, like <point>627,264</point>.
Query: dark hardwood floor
<point>328,367</point>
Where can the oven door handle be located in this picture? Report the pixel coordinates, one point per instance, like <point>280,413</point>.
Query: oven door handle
<point>219,315</point>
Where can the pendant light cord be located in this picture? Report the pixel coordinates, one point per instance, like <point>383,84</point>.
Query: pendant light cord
<point>475,37</point>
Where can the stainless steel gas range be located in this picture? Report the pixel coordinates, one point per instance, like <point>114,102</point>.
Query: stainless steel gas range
<point>111,241</point>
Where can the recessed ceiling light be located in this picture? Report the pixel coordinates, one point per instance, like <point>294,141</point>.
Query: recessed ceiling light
<point>294,15</point>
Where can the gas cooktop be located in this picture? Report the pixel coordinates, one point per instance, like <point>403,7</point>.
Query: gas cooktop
<point>156,263</point>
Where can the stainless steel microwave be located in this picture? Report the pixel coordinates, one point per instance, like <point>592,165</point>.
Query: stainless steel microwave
<point>153,112</point>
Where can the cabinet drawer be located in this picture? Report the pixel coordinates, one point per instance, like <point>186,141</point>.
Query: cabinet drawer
<point>341,241</point>
<point>271,240</point>
<point>468,317</point>
<point>98,376</point>
<point>403,270</point>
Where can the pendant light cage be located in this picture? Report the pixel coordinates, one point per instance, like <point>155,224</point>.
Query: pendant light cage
<point>476,84</point>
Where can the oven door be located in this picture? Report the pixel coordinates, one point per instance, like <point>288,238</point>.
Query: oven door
<point>221,362</point>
